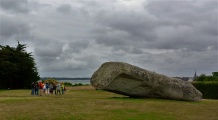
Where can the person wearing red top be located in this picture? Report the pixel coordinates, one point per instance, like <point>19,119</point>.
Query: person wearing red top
<point>40,88</point>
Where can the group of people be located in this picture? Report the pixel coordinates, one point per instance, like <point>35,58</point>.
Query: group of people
<point>40,88</point>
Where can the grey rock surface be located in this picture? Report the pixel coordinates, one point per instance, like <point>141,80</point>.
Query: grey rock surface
<point>133,81</point>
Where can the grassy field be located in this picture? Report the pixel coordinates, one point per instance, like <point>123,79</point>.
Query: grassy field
<point>85,103</point>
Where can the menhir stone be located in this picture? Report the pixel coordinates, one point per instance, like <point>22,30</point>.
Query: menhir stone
<point>129,80</point>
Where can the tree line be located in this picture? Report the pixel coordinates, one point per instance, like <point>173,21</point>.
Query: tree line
<point>204,77</point>
<point>17,67</point>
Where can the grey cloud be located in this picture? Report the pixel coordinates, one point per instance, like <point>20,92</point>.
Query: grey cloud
<point>109,37</point>
<point>110,41</point>
<point>137,24</point>
<point>90,60</point>
<point>12,27</point>
<point>74,38</point>
<point>136,51</point>
<point>126,50</point>
<point>48,49</point>
<point>15,6</point>
<point>168,25</point>
<point>78,46</point>
<point>180,62</point>
<point>65,8</point>
<point>184,24</point>
<point>188,39</point>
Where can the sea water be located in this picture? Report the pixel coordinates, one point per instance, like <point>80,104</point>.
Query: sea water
<point>76,81</point>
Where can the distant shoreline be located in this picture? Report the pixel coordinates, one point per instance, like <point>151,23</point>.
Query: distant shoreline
<point>61,78</point>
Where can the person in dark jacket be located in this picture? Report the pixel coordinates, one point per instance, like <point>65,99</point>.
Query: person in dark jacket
<point>33,88</point>
<point>54,88</point>
<point>47,89</point>
<point>36,88</point>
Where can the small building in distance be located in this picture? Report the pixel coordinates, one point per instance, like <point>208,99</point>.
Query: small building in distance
<point>188,79</point>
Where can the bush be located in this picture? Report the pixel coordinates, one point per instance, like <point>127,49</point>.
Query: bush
<point>68,84</point>
<point>50,80</point>
<point>78,84</point>
<point>215,74</point>
<point>203,77</point>
<point>209,89</point>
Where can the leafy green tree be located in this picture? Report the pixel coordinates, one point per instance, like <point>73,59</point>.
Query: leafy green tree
<point>215,74</point>
<point>17,67</point>
<point>201,77</point>
<point>67,84</point>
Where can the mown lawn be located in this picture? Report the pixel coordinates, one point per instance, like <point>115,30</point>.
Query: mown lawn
<point>85,103</point>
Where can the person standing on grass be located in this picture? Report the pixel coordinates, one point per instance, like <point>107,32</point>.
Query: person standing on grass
<point>33,88</point>
<point>54,88</point>
<point>51,88</point>
<point>40,88</point>
<point>47,88</point>
<point>58,87</point>
<point>44,88</point>
<point>36,88</point>
<point>62,88</point>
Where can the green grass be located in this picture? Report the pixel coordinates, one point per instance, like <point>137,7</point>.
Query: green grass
<point>80,103</point>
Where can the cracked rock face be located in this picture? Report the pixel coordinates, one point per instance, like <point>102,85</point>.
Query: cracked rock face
<point>126,79</point>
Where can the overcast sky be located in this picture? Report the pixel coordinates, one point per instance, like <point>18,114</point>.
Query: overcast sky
<point>72,38</point>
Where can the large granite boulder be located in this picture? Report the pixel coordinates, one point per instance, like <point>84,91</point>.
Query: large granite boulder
<point>126,79</point>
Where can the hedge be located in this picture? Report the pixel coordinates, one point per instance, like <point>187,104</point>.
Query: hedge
<point>208,89</point>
